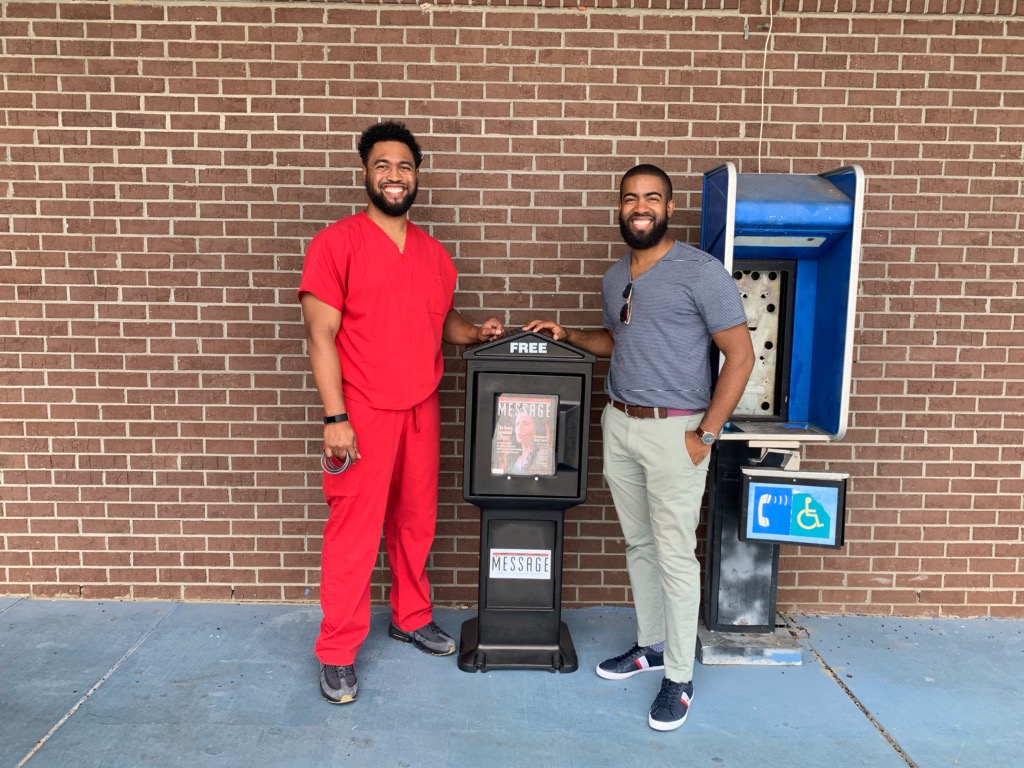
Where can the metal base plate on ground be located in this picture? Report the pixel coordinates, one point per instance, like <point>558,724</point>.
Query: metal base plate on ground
<point>778,648</point>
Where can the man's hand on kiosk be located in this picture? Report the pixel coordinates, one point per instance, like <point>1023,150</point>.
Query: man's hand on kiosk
<point>491,328</point>
<point>458,330</point>
<point>597,341</point>
<point>550,327</point>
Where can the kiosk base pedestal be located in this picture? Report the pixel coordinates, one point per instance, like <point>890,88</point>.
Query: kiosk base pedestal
<point>779,648</point>
<point>741,577</point>
<point>474,656</point>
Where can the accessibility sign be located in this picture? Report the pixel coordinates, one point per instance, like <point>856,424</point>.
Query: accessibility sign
<point>803,508</point>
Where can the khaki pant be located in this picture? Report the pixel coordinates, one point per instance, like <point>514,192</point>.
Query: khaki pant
<point>657,493</point>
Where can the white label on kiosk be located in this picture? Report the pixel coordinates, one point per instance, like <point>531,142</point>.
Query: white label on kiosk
<point>520,563</point>
<point>529,347</point>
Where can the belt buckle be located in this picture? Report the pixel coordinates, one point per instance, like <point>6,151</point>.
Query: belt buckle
<point>625,409</point>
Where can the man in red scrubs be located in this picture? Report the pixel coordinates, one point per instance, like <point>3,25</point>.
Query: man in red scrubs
<point>377,300</point>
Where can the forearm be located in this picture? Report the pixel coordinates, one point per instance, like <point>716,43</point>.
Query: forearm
<point>732,380</point>
<point>738,353</point>
<point>458,330</point>
<point>598,341</point>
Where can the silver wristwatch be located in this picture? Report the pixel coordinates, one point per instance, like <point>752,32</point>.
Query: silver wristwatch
<point>708,438</point>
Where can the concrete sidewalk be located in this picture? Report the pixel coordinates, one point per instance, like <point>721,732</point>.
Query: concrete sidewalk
<point>166,684</point>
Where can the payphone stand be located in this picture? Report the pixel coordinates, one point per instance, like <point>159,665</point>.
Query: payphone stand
<point>527,429</point>
<point>792,242</point>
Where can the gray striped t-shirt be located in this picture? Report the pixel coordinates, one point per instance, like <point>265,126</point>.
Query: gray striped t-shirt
<point>661,357</point>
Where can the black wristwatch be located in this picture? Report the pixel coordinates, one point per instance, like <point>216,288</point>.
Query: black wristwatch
<point>708,438</point>
<point>335,419</point>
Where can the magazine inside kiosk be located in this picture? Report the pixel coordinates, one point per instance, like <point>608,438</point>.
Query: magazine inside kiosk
<point>792,243</point>
<point>527,425</point>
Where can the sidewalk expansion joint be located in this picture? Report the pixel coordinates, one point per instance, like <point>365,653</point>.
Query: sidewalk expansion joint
<point>797,631</point>
<point>67,715</point>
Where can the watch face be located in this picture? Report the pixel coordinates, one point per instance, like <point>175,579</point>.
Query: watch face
<point>707,438</point>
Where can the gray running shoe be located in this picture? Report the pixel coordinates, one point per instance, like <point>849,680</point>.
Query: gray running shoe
<point>429,638</point>
<point>338,684</point>
<point>632,662</point>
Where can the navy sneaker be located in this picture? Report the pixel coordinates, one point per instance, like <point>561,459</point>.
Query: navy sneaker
<point>429,638</point>
<point>338,684</point>
<point>632,662</point>
<point>671,707</point>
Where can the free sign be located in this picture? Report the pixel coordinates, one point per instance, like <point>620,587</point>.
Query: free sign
<point>529,347</point>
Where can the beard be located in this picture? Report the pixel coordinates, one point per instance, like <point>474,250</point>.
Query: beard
<point>389,208</point>
<point>643,240</point>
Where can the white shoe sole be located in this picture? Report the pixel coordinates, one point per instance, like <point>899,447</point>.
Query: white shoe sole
<point>623,675</point>
<point>660,726</point>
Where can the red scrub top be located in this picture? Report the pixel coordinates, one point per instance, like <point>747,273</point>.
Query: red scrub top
<point>392,305</point>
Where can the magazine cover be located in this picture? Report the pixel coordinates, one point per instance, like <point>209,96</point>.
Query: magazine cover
<point>524,435</point>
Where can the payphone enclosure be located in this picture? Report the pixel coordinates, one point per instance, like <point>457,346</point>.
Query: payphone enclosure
<point>792,243</point>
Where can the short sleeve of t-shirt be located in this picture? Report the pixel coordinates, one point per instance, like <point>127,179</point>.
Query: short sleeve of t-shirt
<point>718,299</point>
<point>614,282</point>
<point>324,271</point>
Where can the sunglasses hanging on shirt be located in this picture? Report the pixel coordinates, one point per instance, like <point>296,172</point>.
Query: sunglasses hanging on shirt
<point>627,308</point>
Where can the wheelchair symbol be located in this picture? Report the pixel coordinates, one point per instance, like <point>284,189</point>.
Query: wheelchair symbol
<point>812,514</point>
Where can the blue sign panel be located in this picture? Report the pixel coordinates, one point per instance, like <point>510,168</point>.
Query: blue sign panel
<point>802,508</point>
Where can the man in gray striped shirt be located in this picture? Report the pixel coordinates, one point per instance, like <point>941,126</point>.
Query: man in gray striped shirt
<point>665,302</point>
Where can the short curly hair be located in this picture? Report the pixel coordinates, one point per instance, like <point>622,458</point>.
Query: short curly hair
<point>389,130</point>
<point>647,170</point>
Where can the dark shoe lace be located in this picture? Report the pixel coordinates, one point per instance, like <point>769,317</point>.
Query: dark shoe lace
<point>431,629</point>
<point>669,695</point>
<point>634,652</point>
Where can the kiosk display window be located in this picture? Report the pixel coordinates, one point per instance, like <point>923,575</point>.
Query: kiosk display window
<point>525,435</point>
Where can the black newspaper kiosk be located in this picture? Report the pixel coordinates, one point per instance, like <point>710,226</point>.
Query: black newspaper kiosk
<point>527,424</point>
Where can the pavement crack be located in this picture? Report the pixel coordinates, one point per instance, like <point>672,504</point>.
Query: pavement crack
<point>802,632</point>
<point>67,715</point>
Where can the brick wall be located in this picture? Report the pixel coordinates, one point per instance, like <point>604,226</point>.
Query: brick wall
<point>165,163</point>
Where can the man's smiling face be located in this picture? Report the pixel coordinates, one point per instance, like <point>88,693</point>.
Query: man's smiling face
<point>391,177</point>
<point>643,212</point>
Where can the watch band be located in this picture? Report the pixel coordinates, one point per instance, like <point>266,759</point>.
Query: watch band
<point>701,434</point>
<point>336,418</point>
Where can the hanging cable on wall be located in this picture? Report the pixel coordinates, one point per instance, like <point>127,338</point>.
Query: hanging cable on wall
<point>764,73</point>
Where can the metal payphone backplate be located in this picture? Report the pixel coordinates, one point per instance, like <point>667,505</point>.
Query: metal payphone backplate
<point>765,290</point>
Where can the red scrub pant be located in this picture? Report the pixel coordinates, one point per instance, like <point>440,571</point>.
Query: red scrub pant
<point>392,487</point>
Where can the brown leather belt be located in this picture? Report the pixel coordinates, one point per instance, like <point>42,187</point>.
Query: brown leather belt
<point>646,412</point>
